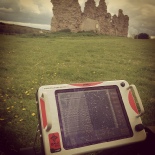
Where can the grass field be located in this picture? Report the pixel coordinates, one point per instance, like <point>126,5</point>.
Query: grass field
<point>29,61</point>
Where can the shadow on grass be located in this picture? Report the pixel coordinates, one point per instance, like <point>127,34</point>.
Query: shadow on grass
<point>8,143</point>
<point>8,138</point>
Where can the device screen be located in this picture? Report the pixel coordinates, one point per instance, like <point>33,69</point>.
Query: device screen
<point>91,115</point>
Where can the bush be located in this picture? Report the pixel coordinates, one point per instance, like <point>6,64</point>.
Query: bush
<point>65,30</point>
<point>142,36</point>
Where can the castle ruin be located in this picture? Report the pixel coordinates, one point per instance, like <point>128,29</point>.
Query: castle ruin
<point>67,14</point>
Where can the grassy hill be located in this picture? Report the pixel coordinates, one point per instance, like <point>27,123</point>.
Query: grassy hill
<point>17,29</point>
<point>29,61</point>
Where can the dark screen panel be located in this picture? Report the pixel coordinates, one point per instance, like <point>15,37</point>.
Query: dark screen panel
<point>91,115</point>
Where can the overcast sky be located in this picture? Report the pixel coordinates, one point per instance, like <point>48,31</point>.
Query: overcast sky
<point>38,13</point>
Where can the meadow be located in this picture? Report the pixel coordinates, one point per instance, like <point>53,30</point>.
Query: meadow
<point>30,61</point>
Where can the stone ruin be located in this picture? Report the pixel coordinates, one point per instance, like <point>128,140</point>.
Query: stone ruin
<point>67,14</point>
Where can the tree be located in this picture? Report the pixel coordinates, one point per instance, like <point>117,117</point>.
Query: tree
<point>143,36</point>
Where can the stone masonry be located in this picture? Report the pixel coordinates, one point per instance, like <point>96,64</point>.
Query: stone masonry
<point>67,14</point>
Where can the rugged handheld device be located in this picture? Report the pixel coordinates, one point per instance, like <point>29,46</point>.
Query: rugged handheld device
<point>86,117</point>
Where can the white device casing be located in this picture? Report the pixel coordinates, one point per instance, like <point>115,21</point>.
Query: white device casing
<point>47,94</point>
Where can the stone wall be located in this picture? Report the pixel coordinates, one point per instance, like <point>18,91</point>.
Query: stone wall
<point>89,24</point>
<point>67,15</point>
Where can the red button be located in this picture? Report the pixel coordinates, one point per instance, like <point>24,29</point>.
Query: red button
<point>54,141</point>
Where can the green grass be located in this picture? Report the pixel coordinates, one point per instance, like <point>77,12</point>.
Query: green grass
<point>28,62</point>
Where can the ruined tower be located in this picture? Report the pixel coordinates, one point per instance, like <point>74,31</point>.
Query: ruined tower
<point>67,15</point>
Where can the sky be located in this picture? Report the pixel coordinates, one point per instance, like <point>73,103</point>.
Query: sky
<point>38,13</point>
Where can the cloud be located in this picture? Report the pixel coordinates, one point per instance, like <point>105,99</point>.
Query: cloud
<point>8,10</point>
<point>36,6</point>
<point>28,6</point>
<point>27,11</point>
<point>7,5</point>
<point>44,6</point>
<point>143,18</point>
